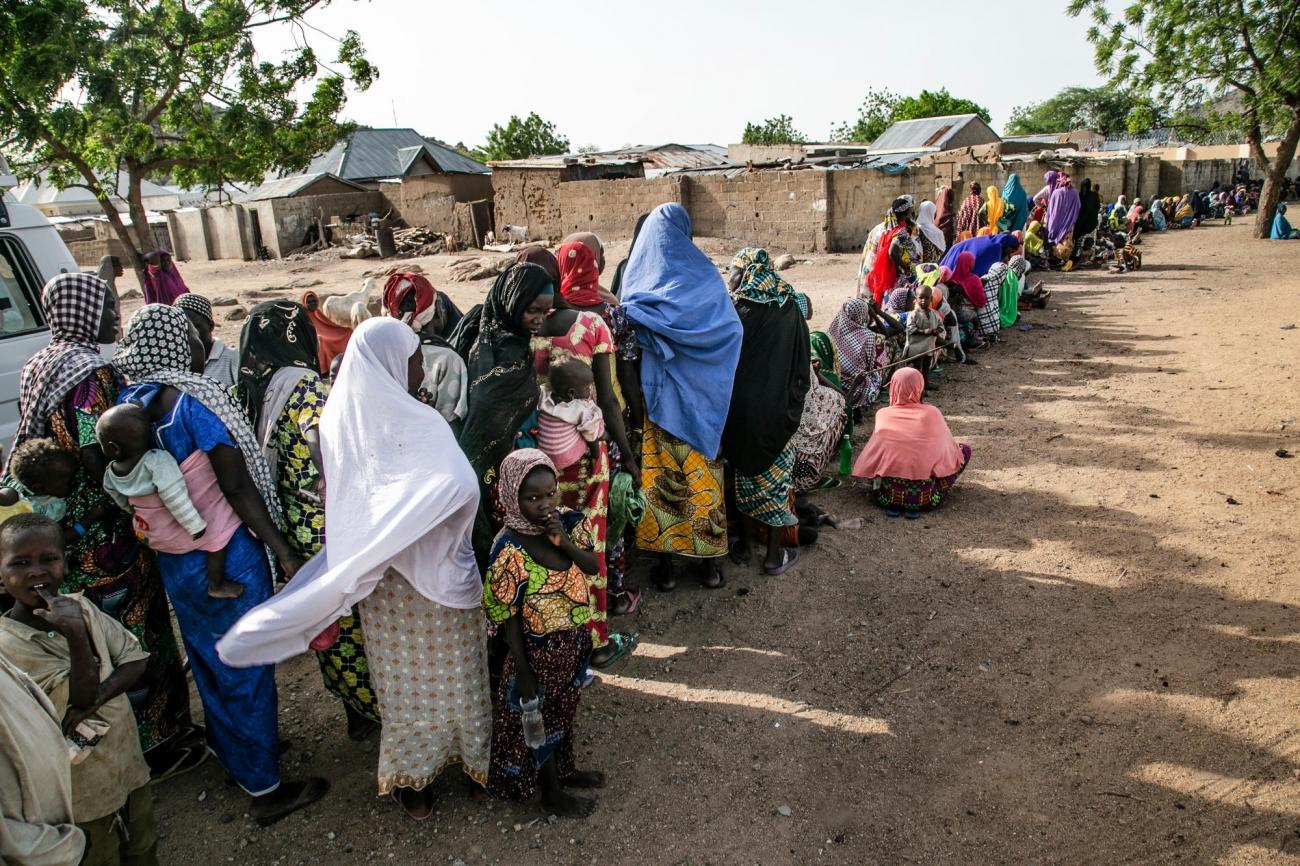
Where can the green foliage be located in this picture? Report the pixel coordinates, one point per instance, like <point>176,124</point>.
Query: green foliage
<point>1186,54</point>
<point>1106,110</point>
<point>164,88</point>
<point>883,108</point>
<point>774,130</point>
<point>522,138</point>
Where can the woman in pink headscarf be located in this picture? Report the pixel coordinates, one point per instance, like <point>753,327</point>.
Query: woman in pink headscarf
<point>162,282</point>
<point>911,457</point>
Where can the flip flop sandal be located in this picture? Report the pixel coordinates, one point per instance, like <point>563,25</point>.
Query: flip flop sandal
<point>633,597</point>
<point>789,556</point>
<point>623,644</point>
<point>827,484</point>
<point>396,794</point>
<point>187,758</point>
<point>911,515</point>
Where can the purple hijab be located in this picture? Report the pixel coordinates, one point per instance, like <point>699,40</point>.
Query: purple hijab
<point>162,282</point>
<point>987,249</point>
<point>1062,211</point>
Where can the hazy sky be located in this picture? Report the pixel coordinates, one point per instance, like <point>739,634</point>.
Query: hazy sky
<point>621,72</point>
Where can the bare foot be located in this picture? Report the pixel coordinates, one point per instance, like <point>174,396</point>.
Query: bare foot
<point>584,779</point>
<point>225,589</point>
<point>568,806</point>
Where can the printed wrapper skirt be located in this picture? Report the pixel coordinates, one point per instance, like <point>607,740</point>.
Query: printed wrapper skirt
<point>559,661</point>
<point>908,495</point>
<point>685,512</point>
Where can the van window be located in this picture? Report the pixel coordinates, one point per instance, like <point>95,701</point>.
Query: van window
<point>18,291</point>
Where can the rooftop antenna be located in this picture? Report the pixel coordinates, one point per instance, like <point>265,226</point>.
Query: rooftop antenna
<point>394,104</point>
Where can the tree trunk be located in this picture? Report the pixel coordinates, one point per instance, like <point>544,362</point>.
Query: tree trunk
<point>135,207</point>
<point>1271,194</point>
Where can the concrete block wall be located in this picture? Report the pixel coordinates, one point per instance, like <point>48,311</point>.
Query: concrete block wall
<point>611,207</point>
<point>189,236</point>
<point>787,210</point>
<point>859,198</point>
<point>293,216</point>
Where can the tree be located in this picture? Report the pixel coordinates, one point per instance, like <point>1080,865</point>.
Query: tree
<point>883,108</point>
<point>774,130</point>
<point>1106,110</point>
<point>520,139</point>
<point>1183,53</point>
<point>104,94</point>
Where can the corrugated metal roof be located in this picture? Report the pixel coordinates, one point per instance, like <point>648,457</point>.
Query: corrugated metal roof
<point>42,191</point>
<point>926,132</point>
<point>672,156</point>
<point>371,154</point>
<point>562,160</point>
<point>286,187</point>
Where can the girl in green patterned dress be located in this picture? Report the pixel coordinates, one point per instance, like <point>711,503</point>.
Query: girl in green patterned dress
<point>283,393</point>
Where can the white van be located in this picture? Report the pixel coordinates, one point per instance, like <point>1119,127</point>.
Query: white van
<point>31,252</point>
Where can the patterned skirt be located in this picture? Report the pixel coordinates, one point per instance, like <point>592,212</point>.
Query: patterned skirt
<point>559,661</point>
<point>584,487</point>
<point>818,439</point>
<point>685,513</point>
<point>429,667</point>
<point>765,497</point>
<point>907,495</point>
<point>343,667</point>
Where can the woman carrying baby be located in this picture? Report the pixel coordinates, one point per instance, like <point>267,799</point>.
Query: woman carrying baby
<point>196,422</point>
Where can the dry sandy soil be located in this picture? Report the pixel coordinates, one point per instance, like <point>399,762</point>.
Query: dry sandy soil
<point>1087,656</point>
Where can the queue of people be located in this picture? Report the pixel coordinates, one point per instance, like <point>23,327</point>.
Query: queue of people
<point>455,500</point>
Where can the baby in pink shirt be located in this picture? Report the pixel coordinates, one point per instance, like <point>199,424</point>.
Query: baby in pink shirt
<point>569,422</point>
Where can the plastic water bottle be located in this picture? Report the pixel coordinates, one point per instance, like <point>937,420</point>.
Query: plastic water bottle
<point>534,729</point>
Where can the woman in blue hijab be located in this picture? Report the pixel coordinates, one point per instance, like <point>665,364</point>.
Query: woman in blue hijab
<point>1018,215</point>
<point>689,335</point>
<point>1282,230</point>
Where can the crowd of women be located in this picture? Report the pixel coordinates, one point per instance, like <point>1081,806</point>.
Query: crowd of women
<point>456,499</point>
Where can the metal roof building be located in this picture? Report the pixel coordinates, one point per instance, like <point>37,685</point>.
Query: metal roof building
<point>372,155</point>
<point>934,134</point>
<point>320,183</point>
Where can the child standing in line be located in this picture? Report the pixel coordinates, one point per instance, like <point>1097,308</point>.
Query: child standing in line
<point>85,662</point>
<point>149,482</point>
<point>924,330</point>
<point>569,421</point>
<point>536,594</point>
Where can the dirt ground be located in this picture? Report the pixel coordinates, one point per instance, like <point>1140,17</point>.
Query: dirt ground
<point>1087,656</point>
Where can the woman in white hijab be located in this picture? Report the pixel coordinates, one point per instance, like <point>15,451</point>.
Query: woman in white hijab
<point>400,504</point>
<point>933,244</point>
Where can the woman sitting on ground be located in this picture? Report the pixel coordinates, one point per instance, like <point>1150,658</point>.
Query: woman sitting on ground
<point>861,351</point>
<point>1282,230</point>
<point>911,458</point>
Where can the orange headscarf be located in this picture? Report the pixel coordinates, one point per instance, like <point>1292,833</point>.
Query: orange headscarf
<point>331,339</point>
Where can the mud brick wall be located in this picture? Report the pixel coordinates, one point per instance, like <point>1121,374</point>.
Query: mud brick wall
<point>611,207</point>
<point>528,197</point>
<point>786,210</point>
